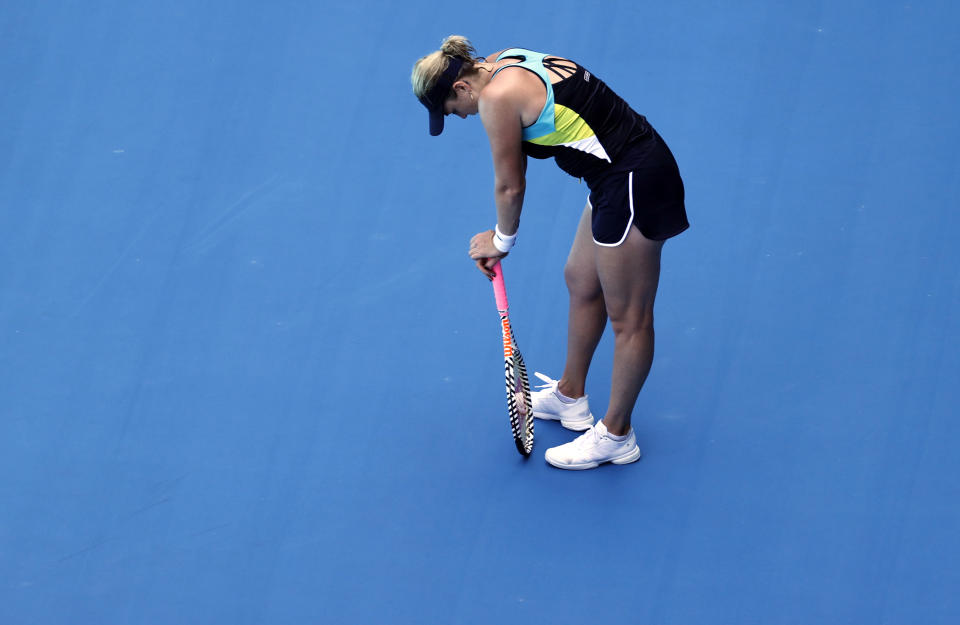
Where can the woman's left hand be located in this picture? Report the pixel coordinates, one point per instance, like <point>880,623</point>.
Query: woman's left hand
<point>483,252</point>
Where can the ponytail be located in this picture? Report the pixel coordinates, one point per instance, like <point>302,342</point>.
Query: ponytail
<point>428,69</point>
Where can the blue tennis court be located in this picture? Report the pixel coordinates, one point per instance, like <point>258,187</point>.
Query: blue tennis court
<point>248,373</point>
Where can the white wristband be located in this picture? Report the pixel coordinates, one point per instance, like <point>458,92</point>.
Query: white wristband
<point>501,241</point>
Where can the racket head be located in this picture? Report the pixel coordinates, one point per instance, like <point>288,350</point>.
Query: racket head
<point>519,402</point>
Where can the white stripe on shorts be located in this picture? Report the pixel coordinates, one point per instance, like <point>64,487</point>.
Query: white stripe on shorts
<point>629,221</point>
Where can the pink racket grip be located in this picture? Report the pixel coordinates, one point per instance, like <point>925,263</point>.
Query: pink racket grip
<point>499,289</point>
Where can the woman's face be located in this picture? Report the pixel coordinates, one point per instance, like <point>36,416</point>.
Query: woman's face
<point>461,101</point>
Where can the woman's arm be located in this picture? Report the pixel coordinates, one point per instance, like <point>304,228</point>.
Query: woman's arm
<point>500,115</point>
<point>500,111</point>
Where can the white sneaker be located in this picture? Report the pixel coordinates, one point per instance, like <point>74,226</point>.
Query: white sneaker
<point>593,448</point>
<point>547,405</point>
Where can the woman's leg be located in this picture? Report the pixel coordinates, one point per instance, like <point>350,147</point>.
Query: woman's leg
<point>628,275</point>
<point>588,313</point>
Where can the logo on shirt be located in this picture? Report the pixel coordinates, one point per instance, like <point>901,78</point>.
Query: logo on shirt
<point>586,76</point>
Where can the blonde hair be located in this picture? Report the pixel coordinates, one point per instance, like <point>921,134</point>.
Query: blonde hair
<point>428,69</point>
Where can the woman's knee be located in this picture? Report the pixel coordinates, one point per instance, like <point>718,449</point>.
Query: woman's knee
<point>582,280</point>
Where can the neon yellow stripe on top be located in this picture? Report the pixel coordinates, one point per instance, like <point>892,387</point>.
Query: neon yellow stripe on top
<point>573,132</point>
<point>569,126</point>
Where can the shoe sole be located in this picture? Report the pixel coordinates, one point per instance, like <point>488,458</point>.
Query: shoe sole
<point>631,456</point>
<point>577,426</point>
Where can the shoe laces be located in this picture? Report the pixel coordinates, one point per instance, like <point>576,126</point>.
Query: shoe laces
<point>592,435</point>
<point>550,383</point>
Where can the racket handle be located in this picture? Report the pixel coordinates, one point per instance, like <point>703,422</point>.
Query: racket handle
<point>499,289</point>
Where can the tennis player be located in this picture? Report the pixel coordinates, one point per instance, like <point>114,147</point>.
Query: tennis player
<point>544,105</point>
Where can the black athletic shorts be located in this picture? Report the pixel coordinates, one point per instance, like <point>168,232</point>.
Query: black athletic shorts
<point>644,188</point>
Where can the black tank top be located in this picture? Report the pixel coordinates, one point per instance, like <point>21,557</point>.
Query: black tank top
<point>591,128</point>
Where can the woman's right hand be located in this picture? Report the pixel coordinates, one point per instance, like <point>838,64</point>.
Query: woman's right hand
<point>484,253</point>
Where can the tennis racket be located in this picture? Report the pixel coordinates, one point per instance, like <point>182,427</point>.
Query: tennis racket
<point>515,371</point>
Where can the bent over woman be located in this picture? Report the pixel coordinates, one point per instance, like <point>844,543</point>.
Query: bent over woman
<point>545,105</point>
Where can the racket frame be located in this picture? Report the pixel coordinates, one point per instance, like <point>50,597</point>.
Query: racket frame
<point>519,402</point>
